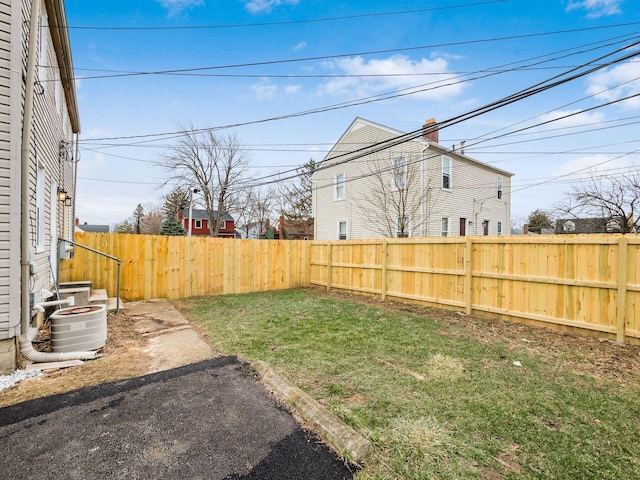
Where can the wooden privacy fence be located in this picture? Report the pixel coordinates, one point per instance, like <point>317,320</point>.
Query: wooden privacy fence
<point>176,267</point>
<point>589,282</point>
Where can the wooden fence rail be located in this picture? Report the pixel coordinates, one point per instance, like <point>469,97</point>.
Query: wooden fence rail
<point>590,282</point>
<point>176,267</point>
<point>587,282</point>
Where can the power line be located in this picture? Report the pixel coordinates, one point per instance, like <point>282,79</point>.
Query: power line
<point>352,54</point>
<point>288,22</point>
<point>375,98</point>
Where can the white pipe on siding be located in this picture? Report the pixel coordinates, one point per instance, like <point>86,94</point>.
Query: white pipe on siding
<point>27,350</point>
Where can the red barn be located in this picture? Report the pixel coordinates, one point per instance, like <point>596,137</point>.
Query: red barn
<point>200,223</point>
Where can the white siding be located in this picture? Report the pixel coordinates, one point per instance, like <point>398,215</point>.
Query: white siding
<point>473,193</point>
<point>51,126</point>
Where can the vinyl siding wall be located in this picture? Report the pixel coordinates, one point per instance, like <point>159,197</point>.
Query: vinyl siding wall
<point>51,146</point>
<point>473,193</point>
<point>51,125</point>
<point>10,111</point>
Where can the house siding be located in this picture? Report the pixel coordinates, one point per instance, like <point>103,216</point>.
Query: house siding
<point>473,193</point>
<point>10,111</point>
<point>51,130</point>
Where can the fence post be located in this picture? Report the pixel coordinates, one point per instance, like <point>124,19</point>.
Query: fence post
<point>329,268</point>
<point>622,287</point>
<point>468,294</point>
<point>384,269</point>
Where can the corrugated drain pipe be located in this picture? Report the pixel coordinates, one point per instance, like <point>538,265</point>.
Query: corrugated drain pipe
<point>27,350</point>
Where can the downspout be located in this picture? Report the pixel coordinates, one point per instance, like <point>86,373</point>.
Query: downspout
<point>425,220</point>
<point>25,271</point>
<point>76,159</point>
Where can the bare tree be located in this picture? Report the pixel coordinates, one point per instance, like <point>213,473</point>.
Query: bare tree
<point>613,198</point>
<point>255,207</point>
<point>213,164</point>
<point>152,221</point>
<point>396,203</point>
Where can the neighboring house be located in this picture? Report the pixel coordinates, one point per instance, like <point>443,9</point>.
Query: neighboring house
<point>84,227</point>
<point>442,191</point>
<point>200,223</point>
<point>288,230</point>
<point>251,230</point>
<point>589,225</point>
<point>299,229</point>
<point>40,123</point>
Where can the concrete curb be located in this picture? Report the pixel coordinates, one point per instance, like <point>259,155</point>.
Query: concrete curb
<point>344,439</point>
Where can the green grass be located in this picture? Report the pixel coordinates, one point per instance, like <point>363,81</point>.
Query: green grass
<point>436,400</point>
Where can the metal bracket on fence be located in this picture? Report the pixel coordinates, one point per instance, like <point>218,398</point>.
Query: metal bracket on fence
<point>106,255</point>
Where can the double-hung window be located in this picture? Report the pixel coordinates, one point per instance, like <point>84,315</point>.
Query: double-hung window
<point>403,227</point>
<point>338,192</point>
<point>499,228</point>
<point>400,169</point>
<point>444,230</point>
<point>446,173</point>
<point>342,230</point>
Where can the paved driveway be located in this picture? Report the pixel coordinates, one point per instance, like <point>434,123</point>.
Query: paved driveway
<point>208,420</point>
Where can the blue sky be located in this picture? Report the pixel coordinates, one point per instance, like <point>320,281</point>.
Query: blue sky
<point>432,44</point>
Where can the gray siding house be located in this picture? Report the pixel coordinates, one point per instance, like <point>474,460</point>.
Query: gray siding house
<point>39,124</point>
<point>415,188</point>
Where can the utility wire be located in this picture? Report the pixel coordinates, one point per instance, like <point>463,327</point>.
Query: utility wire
<point>287,22</point>
<point>361,101</point>
<point>344,55</point>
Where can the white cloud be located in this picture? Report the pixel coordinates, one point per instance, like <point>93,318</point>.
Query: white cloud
<point>264,90</point>
<point>591,165</point>
<point>299,46</point>
<point>290,89</point>
<point>617,82</point>
<point>596,8</point>
<point>176,7</point>
<point>435,85</point>
<point>260,6</point>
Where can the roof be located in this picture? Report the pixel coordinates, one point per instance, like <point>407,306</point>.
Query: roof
<point>359,121</point>
<point>93,228</point>
<point>62,47</point>
<point>201,214</point>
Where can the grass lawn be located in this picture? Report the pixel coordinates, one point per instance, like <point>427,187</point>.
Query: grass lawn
<point>438,393</point>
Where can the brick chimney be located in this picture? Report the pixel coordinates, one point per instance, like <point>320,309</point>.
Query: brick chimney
<point>430,130</point>
<point>525,229</point>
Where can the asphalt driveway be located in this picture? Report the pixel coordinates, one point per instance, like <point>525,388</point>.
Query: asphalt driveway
<point>208,420</point>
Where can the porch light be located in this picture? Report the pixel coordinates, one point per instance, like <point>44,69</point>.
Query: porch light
<point>62,195</point>
<point>67,201</point>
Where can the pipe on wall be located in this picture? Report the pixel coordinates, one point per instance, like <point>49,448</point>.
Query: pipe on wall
<point>27,350</point>
<point>25,271</point>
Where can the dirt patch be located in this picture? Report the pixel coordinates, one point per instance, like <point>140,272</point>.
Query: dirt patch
<point>124,359</point>
<point>598,357</point>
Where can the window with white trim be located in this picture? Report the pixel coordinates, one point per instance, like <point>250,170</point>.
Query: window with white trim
<point>342,230</point>
<point>40,206</point>
<point>338,192</point>
<point>399,172</point>
<point>198,224</point>
<point>500,182</point>
<point>499,228</point>
<point>446,173</point>
<point>444,229</point>
<point>402,227</point>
